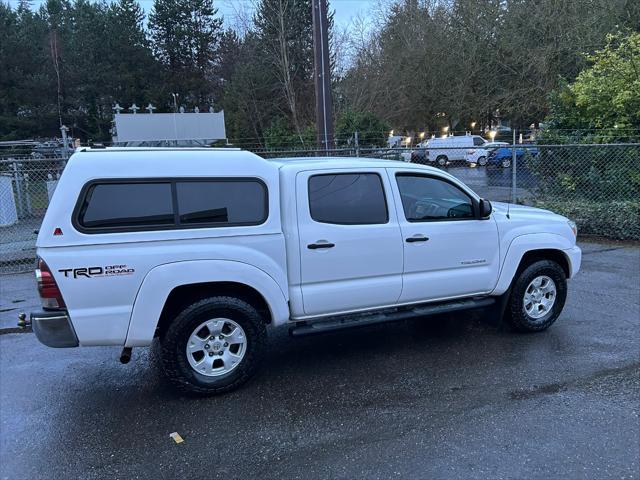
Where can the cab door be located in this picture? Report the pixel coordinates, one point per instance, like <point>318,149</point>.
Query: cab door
<point>351,248</point>
<point>448,251</point>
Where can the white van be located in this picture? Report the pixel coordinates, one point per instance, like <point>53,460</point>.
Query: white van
<point>451,149</point>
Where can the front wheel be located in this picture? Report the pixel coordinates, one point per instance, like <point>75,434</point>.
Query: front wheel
<point>482,161</point>
<point>537,297</point>
<point>213,346</point>
<point>506,163</point>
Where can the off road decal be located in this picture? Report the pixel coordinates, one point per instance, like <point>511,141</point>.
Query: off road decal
<point>91,272</point>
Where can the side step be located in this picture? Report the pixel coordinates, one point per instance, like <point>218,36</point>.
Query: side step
<point>390,315</point>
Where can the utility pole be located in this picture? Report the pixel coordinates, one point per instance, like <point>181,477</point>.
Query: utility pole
<point>514,169</point>
<point>322,75</point>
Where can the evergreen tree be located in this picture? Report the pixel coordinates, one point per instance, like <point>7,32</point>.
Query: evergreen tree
<point>133,71</point>
<point>185,36</point>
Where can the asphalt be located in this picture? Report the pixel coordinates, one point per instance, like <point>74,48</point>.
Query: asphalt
<point>448,397</point>
<point>18,293</point>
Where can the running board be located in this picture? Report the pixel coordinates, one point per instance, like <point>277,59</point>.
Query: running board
<point>390,315</point>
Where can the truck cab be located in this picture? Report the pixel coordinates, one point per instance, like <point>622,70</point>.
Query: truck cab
<point>207,249</point>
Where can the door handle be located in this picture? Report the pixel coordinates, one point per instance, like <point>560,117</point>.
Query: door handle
<point>315,246</point>
<point>420,238</point>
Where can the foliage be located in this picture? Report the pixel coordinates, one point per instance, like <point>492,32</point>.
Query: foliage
<point>69,63</point>
<point>372,131</point>
<point>604,101</point>
<point>280,136</point>
<point>598,187</point>
<point>422,65</point>
<point>610,173</point>
<point>428,64</point>
<point>285,33</point>
<point>606,95</point>
<point>185,35</point>
<point>615,219</point>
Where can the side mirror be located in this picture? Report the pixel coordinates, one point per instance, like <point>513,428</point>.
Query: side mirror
<point>485,208</point>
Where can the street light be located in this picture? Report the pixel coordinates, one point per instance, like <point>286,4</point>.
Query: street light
<point>492,135</point>
<point>422,135</point>
<point>445,129</point>
<point>391,133</point>
<point>473,124</point>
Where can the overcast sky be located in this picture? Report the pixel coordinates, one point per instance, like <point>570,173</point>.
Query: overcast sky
<point>234,11</point>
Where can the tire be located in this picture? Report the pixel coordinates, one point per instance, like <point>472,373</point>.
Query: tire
<point>442,160</point>
<point>506,163</point>
<point>525,314</point>
<point>230,311</point>
<point>482,161</point>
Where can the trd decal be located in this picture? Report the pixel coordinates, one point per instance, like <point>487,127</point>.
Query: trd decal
<point>91,272</point>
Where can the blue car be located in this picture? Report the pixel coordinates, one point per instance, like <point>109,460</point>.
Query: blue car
<point>501,157</point>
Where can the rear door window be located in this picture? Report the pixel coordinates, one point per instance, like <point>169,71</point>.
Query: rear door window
<point>348,199</point>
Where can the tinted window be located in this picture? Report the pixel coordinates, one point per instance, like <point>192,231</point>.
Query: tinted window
<point>427,198</point>
<point>347,199</point>
<point>477,141</point>
<point>127,205</point>
<point>219,201</point>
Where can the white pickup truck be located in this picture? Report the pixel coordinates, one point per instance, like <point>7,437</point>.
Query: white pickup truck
<point>206,248</point>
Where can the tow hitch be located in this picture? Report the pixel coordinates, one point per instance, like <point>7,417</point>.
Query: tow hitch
<point>24,322</point>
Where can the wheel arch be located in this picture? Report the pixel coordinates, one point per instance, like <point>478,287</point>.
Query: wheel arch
<point>184,295</point>
<point>168,287</point>
<point>553,254</point>
<point>527,249</point>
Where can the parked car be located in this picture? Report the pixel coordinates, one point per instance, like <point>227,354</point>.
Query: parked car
<point>419,155</point>
<point>451,149</point>
<point>502,157</point>
<point>205,249</point>
<point>479,155</point>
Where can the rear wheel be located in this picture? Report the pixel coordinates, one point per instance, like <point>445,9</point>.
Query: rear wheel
<point>506,163</point>
<point>442,160</point>
<point>537,297</point>
<point>213,346</point>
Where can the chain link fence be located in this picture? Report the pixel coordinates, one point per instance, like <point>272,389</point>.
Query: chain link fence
<point>26,187</point>
<point>596,185</point>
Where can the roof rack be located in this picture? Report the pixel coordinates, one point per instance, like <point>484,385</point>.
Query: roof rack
<point>149,149</point>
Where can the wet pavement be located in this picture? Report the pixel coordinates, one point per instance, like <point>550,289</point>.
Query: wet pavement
<point>18,293</point>
<point>447,397</point>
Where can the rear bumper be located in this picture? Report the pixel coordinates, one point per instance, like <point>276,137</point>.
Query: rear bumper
<point>54,329</point>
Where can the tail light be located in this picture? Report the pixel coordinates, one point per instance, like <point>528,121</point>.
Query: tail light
<point>48,288</point>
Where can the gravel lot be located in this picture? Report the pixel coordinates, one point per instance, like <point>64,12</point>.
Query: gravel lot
<point>447,397</point>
